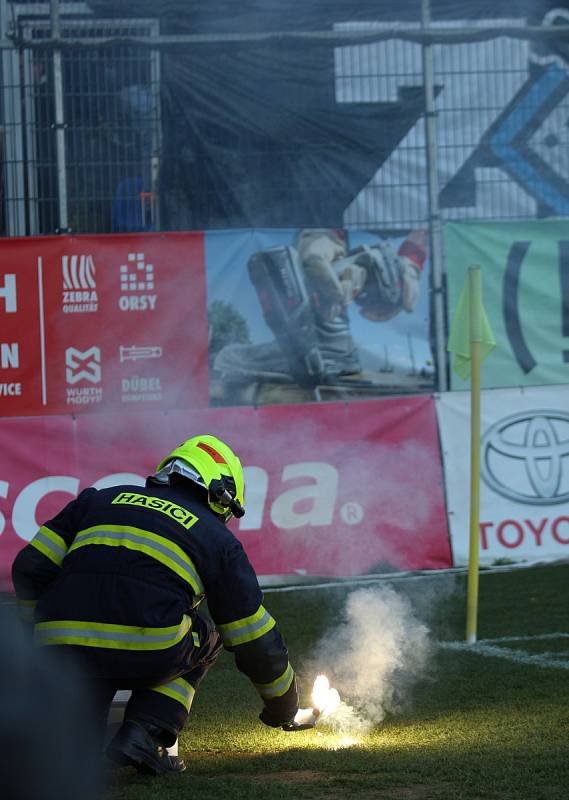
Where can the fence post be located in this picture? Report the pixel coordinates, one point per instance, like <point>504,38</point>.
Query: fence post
<point>435,232</point>
<point>12,178</point>
<point>61,155</point>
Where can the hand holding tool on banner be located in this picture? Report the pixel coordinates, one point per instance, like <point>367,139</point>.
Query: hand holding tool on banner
<point>380,280</point>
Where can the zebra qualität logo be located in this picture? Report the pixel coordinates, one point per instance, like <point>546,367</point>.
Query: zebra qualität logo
<point>79,285</point>
<point>525,457</point>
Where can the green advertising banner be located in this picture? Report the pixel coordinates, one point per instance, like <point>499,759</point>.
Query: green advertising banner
<point>525,275</point>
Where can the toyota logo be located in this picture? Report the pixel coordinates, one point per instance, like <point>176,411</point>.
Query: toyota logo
<point>525,457</point>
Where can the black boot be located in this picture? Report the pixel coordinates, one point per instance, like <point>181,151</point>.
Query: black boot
<point>134,746</point>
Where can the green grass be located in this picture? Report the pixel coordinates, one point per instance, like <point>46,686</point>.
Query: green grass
<point>474,727</point>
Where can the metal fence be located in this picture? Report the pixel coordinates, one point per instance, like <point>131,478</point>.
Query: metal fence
<point>93,140</point>
<point>103,106</point>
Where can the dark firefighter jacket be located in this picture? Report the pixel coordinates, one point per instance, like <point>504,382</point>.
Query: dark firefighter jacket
<point>125,567</point>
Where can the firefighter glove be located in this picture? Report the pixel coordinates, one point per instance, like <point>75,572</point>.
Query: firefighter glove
<point>304,719</point>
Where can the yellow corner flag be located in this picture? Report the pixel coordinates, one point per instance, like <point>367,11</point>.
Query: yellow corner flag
<point>471,339</point>
<point>463,330</point>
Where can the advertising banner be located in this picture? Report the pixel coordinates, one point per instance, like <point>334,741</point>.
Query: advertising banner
<point>98,323</point>
<point>525,274</point>
<point>305,315</point>
<point>331,490</point>
<point>122,322</point>
<point>524,488</point>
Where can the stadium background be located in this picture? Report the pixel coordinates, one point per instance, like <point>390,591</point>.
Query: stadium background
<point>173,147</point>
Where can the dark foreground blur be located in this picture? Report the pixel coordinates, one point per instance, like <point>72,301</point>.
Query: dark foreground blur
<point>48,744</point>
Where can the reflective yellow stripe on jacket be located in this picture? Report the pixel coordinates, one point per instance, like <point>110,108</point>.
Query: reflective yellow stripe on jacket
<point>153,545</point>
<point>278,687</point>
<point>50,544</point>
<point>104,634</point>
<point>179,690</point>
<point>247,629</point>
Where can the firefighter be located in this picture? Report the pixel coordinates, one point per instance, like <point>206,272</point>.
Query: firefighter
<point>115,581</point>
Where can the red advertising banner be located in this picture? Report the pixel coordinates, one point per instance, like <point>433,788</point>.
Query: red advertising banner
<point>20,333</point>
<point>331,489</point>
<point>98,323</point>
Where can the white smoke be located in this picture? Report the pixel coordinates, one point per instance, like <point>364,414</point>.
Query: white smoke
<point>373,656</point>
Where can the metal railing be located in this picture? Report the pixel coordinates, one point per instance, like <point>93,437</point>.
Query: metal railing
<point>81,128</point>
<point>94,138</point>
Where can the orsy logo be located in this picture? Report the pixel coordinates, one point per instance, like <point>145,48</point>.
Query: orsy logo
<point>525,457</point>
<point>79,295</point>
<point>83,365</point>
<point>137,279</point>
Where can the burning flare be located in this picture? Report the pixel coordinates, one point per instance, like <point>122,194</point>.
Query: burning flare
<point>325,699</point>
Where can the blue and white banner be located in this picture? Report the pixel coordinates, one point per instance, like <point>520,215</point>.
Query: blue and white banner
<point>524,487</point>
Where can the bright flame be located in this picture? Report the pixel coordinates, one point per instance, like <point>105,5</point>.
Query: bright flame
<point>320,691</point>
<point>325,699</point>
<point>347,741</point>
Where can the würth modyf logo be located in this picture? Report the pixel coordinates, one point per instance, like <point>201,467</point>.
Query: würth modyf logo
<point>82,365</point>
<point>525,457</point>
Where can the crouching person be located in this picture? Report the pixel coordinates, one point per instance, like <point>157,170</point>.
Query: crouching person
<point>115,581</point>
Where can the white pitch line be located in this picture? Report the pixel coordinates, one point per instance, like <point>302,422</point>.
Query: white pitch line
<point>518,656</point>
<point>409,575</point>
<point>525,638</point>
<point>364,580</point>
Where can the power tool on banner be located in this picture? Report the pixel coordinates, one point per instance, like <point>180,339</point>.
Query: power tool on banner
<point>277,276</point>
<point>288,306</point>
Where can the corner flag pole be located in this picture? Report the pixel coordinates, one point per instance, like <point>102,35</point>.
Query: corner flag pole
<point>475,309</point>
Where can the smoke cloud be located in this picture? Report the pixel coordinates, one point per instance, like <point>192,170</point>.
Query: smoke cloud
<point>374,656</point>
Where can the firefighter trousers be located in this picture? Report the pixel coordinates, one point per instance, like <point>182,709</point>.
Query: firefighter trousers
<point>162,682</point>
